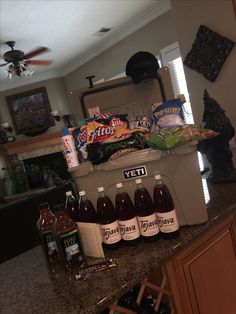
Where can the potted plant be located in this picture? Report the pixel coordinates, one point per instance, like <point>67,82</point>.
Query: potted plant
<point>49,176</point>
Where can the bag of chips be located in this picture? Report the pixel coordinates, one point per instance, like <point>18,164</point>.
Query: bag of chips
<point>101,151</point>
<point>172,137</point>
<point>168,113</point>
<point>97,128</point>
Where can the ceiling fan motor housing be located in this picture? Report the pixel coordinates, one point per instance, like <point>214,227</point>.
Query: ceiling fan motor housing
<point>13,55</point>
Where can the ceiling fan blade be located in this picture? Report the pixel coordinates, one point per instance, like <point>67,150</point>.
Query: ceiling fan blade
<point>1,65</point>
<point>36,52</point>
<point>40,62</point>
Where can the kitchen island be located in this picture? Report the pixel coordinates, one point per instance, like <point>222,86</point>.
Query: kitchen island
<point>27,286</point>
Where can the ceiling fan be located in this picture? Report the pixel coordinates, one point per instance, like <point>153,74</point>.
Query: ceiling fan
<point>19,61</point>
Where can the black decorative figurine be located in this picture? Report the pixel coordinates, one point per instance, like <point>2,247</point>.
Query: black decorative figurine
<point>217,149</point>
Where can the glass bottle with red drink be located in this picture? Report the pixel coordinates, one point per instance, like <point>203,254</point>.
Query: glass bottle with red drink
<point>67,237</point>
<point>147,218</point>
<point>165,208</point>
<point>86,210</point>
<point>126,216</point>
<point>108,221</point>
<point>71,206</point>
<point>45,229</point>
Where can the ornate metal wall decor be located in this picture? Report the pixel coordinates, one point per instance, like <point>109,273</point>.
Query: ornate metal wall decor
<point>209,52</point>
<point>217,149</point>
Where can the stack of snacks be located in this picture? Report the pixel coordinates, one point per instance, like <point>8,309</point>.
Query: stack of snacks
<point>104,135</point>
<point>171,131</point>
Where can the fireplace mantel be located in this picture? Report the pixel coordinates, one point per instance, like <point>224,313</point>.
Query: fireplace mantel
<point>33,143</point>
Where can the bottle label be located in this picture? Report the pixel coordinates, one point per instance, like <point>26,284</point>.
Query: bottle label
<point>71,247</point>
<point>70,152</point>
<point>148,225</point>
<point>111,232</point>
<point>168,222</point>
<point>129,229</point>
<point>50,244</point>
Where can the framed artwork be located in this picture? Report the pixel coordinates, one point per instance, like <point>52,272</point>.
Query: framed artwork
<point>31,112</point>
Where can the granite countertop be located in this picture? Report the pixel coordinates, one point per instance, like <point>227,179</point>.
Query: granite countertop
<point>27,286</point>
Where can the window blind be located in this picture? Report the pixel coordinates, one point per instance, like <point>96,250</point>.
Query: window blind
<point>171,58</point>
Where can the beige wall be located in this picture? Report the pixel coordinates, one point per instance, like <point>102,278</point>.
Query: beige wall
<point>56,94</point>
<point>152,37</point>
<point>217,15</point>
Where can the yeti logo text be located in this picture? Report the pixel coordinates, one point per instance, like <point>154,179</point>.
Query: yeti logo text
<point>135,172</point>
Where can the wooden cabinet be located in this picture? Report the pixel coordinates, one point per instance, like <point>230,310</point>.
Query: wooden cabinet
<point>202,276</point>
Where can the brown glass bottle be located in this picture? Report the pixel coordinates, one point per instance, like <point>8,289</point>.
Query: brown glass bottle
<point>71,206</point>
<point>165,208</point>
<point>67,237</point>
<point>45,229</point>
<point>86,211</point>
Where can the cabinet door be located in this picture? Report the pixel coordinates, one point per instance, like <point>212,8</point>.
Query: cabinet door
<point>203,276</point>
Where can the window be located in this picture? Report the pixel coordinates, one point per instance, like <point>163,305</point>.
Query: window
<point>171,58</point>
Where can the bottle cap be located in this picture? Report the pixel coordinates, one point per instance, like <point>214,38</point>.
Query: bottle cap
<point>82,193</point>
<point>101,189</point>
<point>157,176</point>
<point>68,193</point>
<point>119,185</point>
<point>138,181</point>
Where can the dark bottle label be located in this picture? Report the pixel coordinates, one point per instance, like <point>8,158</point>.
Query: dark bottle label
<point>71,248</point>
<point>50,245</point>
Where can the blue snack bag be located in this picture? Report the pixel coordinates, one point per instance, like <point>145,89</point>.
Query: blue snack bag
<point>168,113</point>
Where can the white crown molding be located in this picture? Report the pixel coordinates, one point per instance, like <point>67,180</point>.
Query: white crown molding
<point>160,8</point>
<point>21,81</point>
<point>154,12</point>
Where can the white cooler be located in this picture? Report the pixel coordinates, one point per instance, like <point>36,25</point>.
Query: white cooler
<point>179,169</point>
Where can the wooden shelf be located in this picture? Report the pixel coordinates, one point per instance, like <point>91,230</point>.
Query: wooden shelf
<point>36,142</point>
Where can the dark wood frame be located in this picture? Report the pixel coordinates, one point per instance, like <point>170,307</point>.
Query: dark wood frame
<point>35,127</point>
